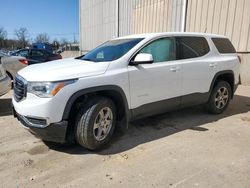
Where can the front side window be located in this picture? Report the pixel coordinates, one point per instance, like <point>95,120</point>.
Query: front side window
<point>192,47</point>
<point>111,50</point>
<point>161,49</point>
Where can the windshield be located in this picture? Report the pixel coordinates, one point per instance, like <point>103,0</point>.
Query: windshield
<point>111,50</point>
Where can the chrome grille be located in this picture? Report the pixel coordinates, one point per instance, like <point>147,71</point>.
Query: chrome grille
<point>20,88</point>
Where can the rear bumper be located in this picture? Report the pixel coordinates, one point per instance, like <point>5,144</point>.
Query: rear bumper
<point>55,132</point>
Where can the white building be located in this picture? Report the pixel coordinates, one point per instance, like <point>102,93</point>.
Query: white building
<point>101,20</point>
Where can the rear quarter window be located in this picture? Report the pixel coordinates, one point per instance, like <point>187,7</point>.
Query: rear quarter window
<point>192,47</point>
<point>223,45</point>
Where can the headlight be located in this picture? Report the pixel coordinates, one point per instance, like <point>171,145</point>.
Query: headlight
<point>47,89</point>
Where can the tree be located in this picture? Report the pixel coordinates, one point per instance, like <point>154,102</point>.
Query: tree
<point>56,44</point>
<point>3,33</point>
<point>42,37</point>
<point>22,36</point>
<point>64,41</point>
<point>11,44</point>
<point>3,36</point>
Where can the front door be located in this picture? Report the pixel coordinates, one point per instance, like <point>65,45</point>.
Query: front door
<point>157,86</point>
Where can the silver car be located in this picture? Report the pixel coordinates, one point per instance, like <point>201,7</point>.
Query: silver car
<point>12,64</point>
<point>5,81</point>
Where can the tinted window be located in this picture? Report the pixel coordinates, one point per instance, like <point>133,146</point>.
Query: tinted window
<point>23,53</point>
<point>161,50</point>
<point>111,50</point>
<point>45,52</point>
<point>36,53</point>
<point>191,47</point>
<point>223,45</point>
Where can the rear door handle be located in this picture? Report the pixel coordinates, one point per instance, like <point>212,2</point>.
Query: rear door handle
<point>174,69</point>
<point>213,65</point>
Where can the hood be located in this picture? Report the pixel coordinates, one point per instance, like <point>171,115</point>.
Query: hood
<point>62,70</point>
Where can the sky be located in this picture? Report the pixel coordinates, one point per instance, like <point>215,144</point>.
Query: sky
<point>58,18</point>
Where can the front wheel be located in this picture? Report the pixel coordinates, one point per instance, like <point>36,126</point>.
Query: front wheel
<point>95,123</point>
<point>220,98</point>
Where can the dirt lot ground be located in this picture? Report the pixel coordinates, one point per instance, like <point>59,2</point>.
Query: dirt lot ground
<point>186,148</point>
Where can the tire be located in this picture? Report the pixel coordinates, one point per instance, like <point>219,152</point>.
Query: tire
<point>219,98</point>
<point>95,123</point>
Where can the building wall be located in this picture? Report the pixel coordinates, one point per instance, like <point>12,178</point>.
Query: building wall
<point>157,16</point>
<point>97,22</point>
<point>126,17</point>
<point>101,20</point>
<point>227,17</point>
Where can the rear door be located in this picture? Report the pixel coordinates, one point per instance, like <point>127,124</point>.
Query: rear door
<point>198,68</point>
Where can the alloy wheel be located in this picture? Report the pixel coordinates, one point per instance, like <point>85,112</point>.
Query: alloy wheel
<point>221,97</point>
<point>103,123</point>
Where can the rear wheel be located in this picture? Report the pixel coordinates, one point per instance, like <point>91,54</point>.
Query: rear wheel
<point>220,98</point>
<point>95,123</point>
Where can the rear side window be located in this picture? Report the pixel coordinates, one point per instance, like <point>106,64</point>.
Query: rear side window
<point>192,47</point>
<point>223,45</point>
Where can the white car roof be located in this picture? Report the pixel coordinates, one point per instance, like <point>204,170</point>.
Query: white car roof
<point>152,35</point>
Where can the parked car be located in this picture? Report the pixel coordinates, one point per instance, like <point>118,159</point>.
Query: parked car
<point>35,56</point>
<point>11,52</point>
<point>124,79</point>
<point>5,81</point>
<point>12,64</point>
<point>43,45</point>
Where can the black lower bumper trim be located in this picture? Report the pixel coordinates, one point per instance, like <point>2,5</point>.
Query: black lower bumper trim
<point>235,87</point>
<point>55,132</point>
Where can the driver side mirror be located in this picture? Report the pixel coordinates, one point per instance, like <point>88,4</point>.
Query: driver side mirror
<point>142,58</point>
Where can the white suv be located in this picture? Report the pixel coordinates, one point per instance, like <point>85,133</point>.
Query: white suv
<point>127,78</point>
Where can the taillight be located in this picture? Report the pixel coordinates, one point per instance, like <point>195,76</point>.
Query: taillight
<point>23,61</point>
<point>239,58</point>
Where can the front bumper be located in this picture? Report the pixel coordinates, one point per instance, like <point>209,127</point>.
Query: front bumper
<point>54,132</point>
<point>235,87</point>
